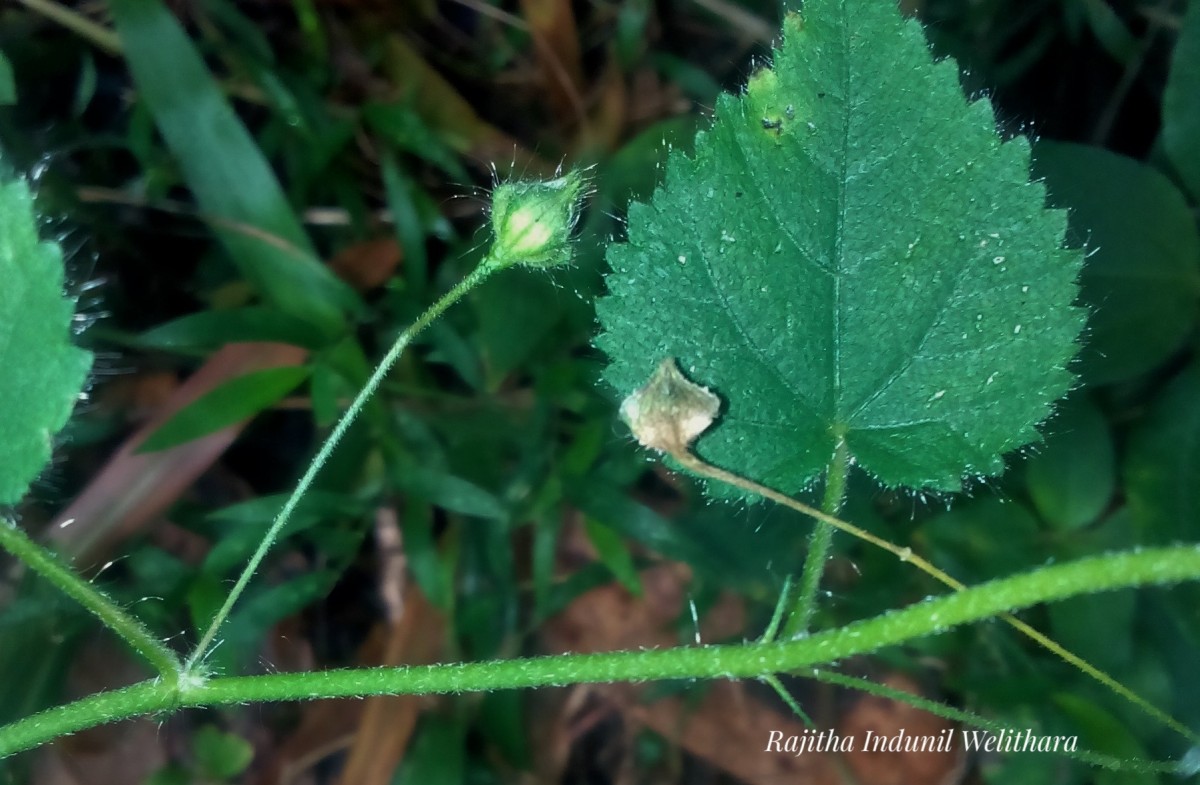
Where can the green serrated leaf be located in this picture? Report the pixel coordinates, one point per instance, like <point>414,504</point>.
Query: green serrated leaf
<point>851,252</point>
<point>231,402</point>
<point>1181,108</point>
<point>1143,277</point>
<point>43,371</point>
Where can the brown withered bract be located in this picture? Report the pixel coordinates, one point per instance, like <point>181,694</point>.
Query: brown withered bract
<point>670,411</point>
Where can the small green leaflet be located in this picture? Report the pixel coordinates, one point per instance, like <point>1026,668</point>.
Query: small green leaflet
<point>851,253</point>
<point>43,371</point>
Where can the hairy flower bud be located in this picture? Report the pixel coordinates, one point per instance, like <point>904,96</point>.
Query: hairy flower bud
<point>532,220</point>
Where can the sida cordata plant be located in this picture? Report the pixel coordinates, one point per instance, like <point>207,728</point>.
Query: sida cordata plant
<point>851,270</point>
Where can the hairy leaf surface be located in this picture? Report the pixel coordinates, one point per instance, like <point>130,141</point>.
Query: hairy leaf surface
<point>43,371</point>
<point>851,252</point>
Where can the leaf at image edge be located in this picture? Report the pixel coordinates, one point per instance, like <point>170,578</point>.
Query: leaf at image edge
<point>1181,102</point>
<point>1142,274</point>
<point>43,371</point>
<point>851,252</point>
<point>1162,467</point>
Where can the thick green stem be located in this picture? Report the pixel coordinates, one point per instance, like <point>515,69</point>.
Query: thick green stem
<point>906,554</point>
<point>805,602</point>
<point>753,660</point>
<point>477,276</point>
<point>132,631</point>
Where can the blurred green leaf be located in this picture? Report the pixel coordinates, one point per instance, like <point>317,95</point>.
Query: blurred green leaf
<point>399,124</point>
<point>1101,731</point>
<point>488,601</point>
<point>327,388</point>
<point>231,402</point>
<point>240,35</point>
<point>42,621</point>
<point>1072,477</point>
<point>172,774</point>
<point>225,169</point>
<point>633,171</point>
<point>502,719</point>
<point>85,89</point>
<point>220,755</point>
<point>43,371</point>
<point>214,328</point>
<point>243,632</point>
<point>432,570</point>
<point>1142,276</point>
<point>1181,102</point>
<point>1162,468</point>
<point>615,555</point>
<point>516,311</point>
<point>609,503</point>
<point>8,83</point>
<point>1172,624</point>
<point>438,755</point>
<point>1110,31</point>
<point>406,219</point>
<point>1097,627</point>
<point>449,346</point>
<point>449,492</point>
<point>982,539</point>
<point>240,527</point>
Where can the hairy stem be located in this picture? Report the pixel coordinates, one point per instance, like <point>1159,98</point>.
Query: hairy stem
<point>905,554</point>
<point>819,544</point>
<point>130,630</point>
<point>752,660</point>
<point>476,277</point>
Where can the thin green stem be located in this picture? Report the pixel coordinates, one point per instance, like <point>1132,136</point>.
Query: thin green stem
<point>99,35</point>
<point>819,544</point>
<point>477,276</point>
<point>774,683</point>
<point>785,594</point>
<point>50,567</point>
<point>753,660</point>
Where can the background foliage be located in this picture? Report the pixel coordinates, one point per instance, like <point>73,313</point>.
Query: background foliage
<point>209,145</point>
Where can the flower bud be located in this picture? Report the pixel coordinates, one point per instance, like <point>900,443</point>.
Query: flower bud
<point>532,220</point>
